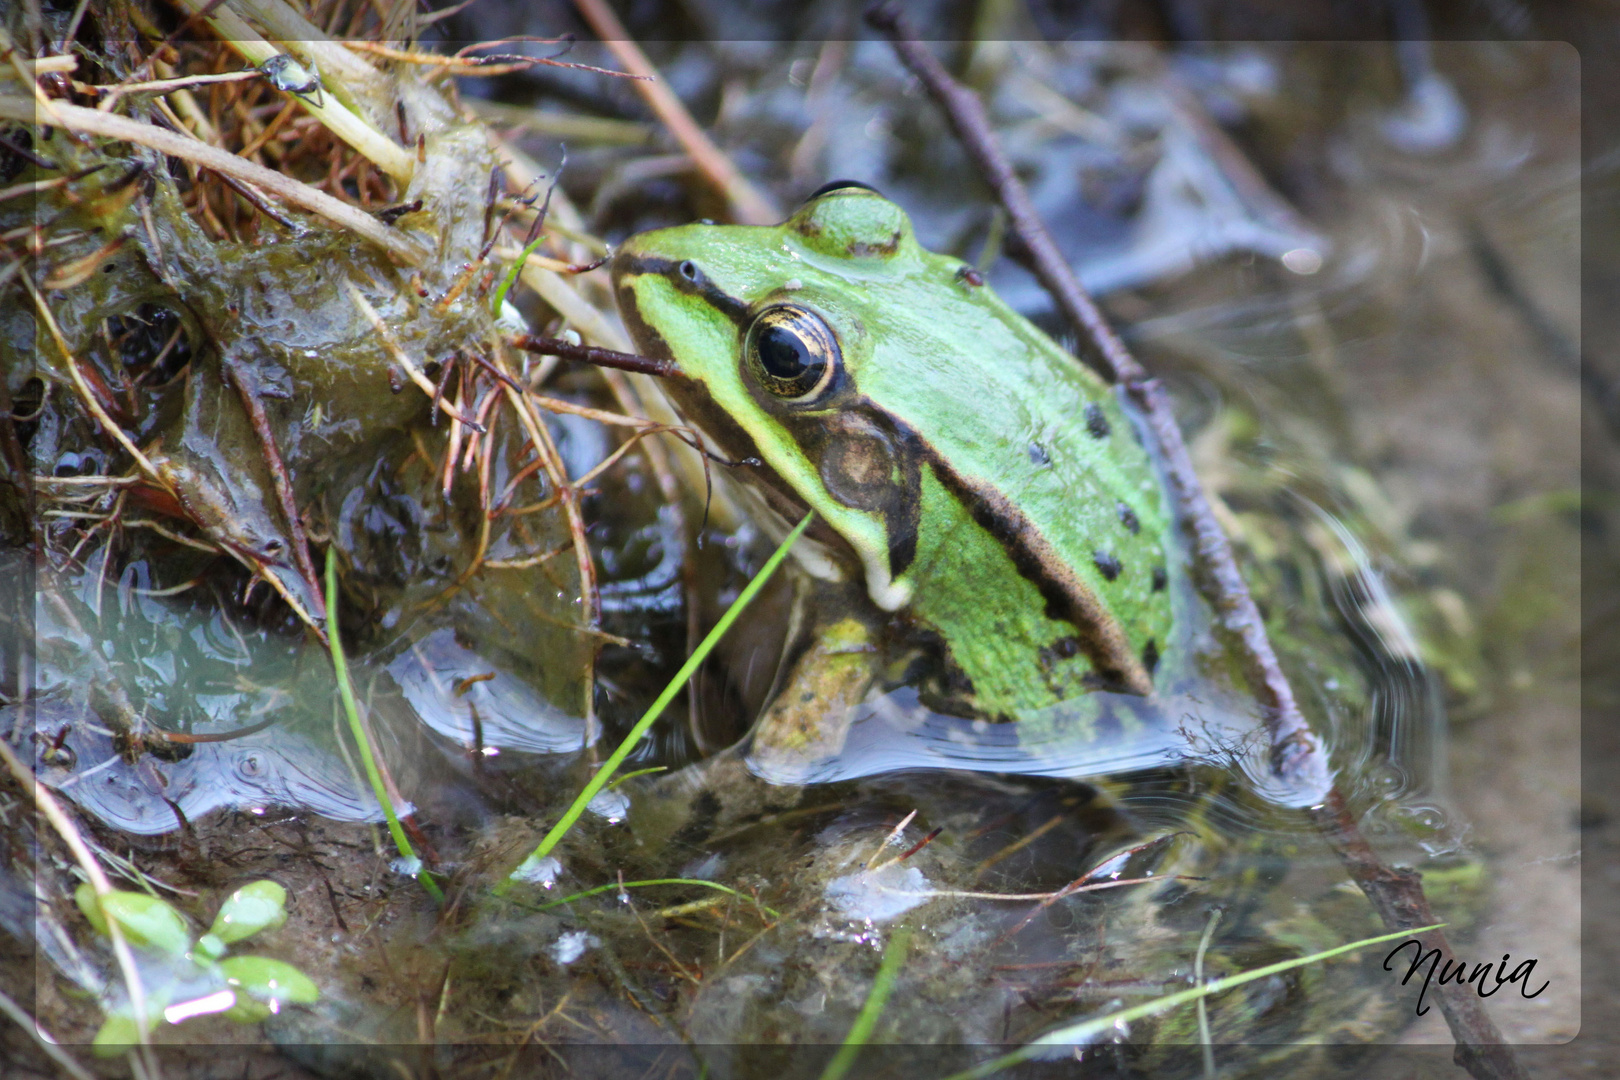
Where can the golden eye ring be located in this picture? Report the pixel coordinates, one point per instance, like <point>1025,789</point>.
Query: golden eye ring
<point>791,352</point>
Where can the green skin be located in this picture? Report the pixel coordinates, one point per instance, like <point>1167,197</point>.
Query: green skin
<point>984,482</point>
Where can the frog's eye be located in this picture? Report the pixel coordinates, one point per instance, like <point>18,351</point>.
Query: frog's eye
<point>791,351</point>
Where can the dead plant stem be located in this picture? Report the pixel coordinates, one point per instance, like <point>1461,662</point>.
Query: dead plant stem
<point>749,205</point>
<point>1297,756</point>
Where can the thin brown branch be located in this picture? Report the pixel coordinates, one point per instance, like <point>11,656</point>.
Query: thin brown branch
<point>1397,895</point>
<point>248,392</point>
<point>1298,760</point>
<point>591,354</point>
<point>749,205</point>
<point>1297,756</point>
<point>972,126</point>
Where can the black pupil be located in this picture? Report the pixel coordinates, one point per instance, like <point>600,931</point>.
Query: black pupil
<point>783,354</point>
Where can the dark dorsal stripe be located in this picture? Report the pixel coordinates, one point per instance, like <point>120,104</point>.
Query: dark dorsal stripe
<point>1101,636</point>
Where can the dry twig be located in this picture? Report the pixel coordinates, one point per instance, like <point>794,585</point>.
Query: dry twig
<point>749,205</point>
<point>1297,756</point>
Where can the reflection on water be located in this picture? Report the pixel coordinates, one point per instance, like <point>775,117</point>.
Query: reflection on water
<point>464,697</point>
<point>274,768</point>
<point>232,717</point>
<point>896,732</point>
<point>152,712</point>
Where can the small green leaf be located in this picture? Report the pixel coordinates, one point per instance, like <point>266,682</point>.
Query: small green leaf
<point>246,1010</point>
<point>145,920</point>
<point>261,905</point>
<point>85,897</point>
<point>259,980</point>
<point>210,947</point>
<point>117,1034</point>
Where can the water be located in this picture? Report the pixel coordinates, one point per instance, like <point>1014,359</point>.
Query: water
<point>1359,417</point>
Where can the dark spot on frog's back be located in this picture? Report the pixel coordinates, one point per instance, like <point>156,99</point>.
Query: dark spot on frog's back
<point>1127,518</point>
<point>1038,455</point>
<point>1067,597</point>
<point>1150,655</point>
<point>1160,579</point>
<point>1097,421</point>
<point>1107,564</point>
<point>1064,648</point>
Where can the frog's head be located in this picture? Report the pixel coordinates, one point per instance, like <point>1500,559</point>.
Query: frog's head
<point>771,327</point>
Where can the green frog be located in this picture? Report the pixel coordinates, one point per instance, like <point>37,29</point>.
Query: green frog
<point>989,496</point>
<point>993,549</point>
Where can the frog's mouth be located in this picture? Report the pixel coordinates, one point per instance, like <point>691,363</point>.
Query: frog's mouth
<point>772,501</point>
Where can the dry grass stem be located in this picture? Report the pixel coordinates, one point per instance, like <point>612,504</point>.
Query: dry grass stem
<point>89,121</point>
<point>891,840</point>
<point>403,359</point>
<point>387,155</point>
<point>749,205</point>
<point>87,397</point>
<point>113,93</point>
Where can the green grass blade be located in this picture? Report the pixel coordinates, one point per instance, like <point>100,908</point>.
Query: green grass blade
<point>351,709</point>
<point>611,765</point>
<point>510,277</point>
<point>1087,1030</point>
<point>861,1030</point>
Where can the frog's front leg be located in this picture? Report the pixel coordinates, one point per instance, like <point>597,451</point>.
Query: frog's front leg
<point>808,720</point>
<point>804,726</point>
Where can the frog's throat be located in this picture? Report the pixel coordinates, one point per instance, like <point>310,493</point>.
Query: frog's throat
<point>886,591</point>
